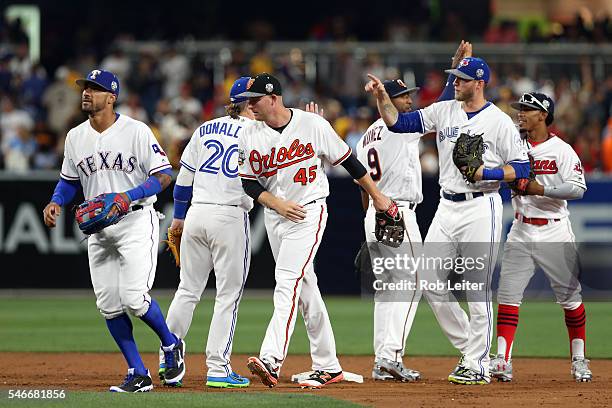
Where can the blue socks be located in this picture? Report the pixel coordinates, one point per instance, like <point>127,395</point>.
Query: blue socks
<point>121,330</point>
<point>154,318</point>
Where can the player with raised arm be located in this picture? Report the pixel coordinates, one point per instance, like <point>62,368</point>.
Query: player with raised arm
<point>281,163</point>
<point>118,163</point>
<point>215,234</point>
<point>541,235</point>
<point>467,223</point>
<point>393,162</point>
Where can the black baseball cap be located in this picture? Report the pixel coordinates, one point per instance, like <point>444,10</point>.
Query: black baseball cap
<point>397,87</point>
<point>537,101</point>
<point>262,85</point>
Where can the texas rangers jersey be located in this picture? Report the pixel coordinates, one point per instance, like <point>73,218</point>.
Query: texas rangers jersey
<point>555,162</point>
<point>290,164</point>
<point>116,160</point>
<point>393,161</point>
<point>502,141</point>
<point>212,154</point>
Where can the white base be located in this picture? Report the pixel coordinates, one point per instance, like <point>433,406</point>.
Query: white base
<point>351,377</point>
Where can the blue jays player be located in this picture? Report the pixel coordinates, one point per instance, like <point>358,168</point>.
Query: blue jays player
<point>467,222</point>
<point>393,162</point>
<point>111,153</point>
<point>215,234</point>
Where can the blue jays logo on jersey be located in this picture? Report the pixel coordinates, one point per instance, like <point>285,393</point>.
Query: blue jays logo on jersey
<point>448,133</point>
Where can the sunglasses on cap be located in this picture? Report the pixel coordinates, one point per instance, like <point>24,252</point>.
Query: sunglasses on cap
<point>529,98</point>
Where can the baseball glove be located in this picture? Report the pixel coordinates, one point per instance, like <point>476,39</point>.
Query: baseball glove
<point>101,211</point>
<point>174,245</point>
<point>467,155</point>
<point>519,185</point>
<point>390,227</point>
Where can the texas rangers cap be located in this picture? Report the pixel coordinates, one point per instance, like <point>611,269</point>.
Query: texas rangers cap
<point>537,101</point>
<point>471,68</point>
<point>104,79</point>
<point>239,86</point>
<point>262,85</point>
<point>397,87</point>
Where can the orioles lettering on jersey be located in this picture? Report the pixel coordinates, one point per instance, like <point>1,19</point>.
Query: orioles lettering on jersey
<point>372,135</point>
<point>296,153</point>
<point>102,161</point>
<point>545,167</point>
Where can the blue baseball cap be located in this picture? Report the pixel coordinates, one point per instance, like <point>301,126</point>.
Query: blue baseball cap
<point>471,68</point>
<point>104,79</point>
<point>239,87</point>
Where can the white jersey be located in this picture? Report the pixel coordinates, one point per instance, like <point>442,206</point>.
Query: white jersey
<point>502,141</point>
<point>212,154</point>
<point>116,160</point>
<point>393,160</point>
<point>555,162</point>
<point>290,164</point>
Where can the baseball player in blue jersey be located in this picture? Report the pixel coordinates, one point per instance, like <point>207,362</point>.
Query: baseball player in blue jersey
<point>111,153</point>
<point>467,223</point>
<point>215,234</point>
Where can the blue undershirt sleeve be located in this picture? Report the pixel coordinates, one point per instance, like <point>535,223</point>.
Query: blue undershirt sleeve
<point>409,122</point>
<point>182,197</point>
<point>448,92</point>
<point>521,169</point>
<point>65,190</point>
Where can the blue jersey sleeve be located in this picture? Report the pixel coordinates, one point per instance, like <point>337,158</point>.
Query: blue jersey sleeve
<point>409,122</point>
<point>448,92</point>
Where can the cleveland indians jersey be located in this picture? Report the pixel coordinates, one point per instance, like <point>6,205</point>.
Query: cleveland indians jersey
<point>555,162</point>
<point>502,141</point>
<point>290,164</point>
<point>212,154</point>
<point>393,161</point>
<point>116,160</point>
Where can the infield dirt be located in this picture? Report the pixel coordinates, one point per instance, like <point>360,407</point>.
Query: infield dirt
<point>538,382</point>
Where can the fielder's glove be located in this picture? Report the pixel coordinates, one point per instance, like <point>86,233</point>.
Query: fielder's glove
<point>174,245</point>
<point>390,226</point>
<point>467,155</point>
<point>519,186</point>
<point>98,213</point>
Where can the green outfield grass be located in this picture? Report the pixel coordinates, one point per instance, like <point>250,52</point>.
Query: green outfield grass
<point>181,400</point>
<point>73,324</point>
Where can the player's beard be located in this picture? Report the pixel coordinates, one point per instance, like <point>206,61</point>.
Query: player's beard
<point>465,95</point>
<point>91,108</point>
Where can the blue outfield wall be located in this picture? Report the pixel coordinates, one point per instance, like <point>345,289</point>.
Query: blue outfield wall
<point>43,258</point>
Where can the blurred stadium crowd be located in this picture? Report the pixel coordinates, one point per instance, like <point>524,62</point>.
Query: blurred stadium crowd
<point>174,92</point>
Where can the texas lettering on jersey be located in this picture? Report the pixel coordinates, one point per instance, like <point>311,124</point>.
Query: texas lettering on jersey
<point>107,161</point>
<point>266,165</point>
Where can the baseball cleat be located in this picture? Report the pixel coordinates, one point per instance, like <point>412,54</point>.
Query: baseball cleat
<point>501,369</point>
<point>397,370</point>
<point>319,379</point>
<point>379,375</point>
<point>231,381</point>
<point>134,383</point>
<point>459,365</point>
<point>580,370</point>
<point>263,370</point>
<point>174,364</point>
<point>467,376</point>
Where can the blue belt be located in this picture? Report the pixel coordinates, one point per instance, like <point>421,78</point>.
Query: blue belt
<point>461,196</point>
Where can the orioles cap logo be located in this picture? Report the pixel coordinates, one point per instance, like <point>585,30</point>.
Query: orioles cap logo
<point>248,86</point>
